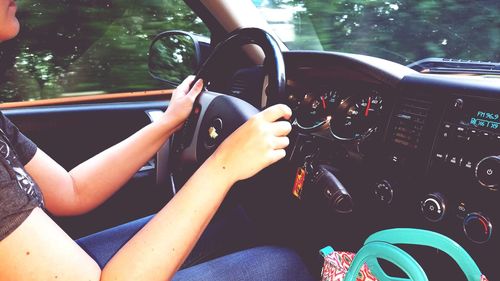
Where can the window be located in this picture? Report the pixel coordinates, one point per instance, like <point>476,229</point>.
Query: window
<point>403,31</point>
<point>86,47</point>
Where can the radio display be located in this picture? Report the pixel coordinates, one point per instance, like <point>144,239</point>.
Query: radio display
<point>485,119</point>
<point>483,114</point>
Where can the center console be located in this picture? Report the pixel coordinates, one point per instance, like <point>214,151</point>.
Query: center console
<point>440,170</point>
<point>465,165</point>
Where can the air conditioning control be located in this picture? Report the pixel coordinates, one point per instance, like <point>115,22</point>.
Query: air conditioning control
<point>433,207</point>
<point>488,172</point>
<point>477,227</point>
<point>384,192</point>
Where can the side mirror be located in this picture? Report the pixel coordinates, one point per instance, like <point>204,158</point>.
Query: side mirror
<point>173,55</point>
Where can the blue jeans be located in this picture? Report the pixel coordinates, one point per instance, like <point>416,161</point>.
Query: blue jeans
<point>222,253</point>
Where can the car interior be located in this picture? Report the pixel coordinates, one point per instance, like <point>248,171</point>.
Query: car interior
<point>375,144</point>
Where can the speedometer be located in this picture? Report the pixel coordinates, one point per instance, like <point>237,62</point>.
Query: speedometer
<point>356,117</point>
<point>313,109</point>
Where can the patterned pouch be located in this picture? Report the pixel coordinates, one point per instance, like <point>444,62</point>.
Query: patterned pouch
<point>364,266</point>
<point>337,264</point>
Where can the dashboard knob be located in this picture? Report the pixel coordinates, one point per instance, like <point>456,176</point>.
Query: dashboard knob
<point>488,172</point>
<point>458,104</point>
<point>433,207</point>
<point>384,192</point>
<point>477,228</point>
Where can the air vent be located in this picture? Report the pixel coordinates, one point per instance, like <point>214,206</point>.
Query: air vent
<point>409,121</point>
<point>238,87</point>
<point>246,84</point>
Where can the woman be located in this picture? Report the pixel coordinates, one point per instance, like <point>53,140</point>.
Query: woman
<point>33,247</point>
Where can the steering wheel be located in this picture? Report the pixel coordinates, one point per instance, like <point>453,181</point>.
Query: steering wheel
<point>215,116</point>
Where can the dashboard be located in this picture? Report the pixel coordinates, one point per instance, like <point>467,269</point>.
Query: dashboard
<point>404,149</point>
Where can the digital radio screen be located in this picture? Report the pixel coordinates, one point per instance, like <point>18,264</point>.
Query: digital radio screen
<point>478,113</point>
<point>485,120</point>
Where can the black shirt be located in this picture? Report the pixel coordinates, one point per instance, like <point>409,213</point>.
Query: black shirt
<point>19,194</point>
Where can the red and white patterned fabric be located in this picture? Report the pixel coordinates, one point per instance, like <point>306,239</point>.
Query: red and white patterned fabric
<point>337,264</point>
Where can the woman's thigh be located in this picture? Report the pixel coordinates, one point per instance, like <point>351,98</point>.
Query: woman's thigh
<point>229,231</point>
<point>260,263</point>
<point>102,246</point>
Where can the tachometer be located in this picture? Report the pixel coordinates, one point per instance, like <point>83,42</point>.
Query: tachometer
<point>356,117</point>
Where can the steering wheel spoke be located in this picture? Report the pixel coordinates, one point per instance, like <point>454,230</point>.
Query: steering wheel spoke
<point>214,118</point>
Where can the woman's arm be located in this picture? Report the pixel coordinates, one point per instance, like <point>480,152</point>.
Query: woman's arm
<point>89,184</point>
<point>40,250</point>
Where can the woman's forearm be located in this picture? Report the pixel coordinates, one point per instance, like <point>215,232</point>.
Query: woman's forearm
<point>96,179</point>
<point>159,249</point>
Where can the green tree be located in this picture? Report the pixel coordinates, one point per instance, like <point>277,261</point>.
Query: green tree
<point>401,30</point>
<point>70,47</point>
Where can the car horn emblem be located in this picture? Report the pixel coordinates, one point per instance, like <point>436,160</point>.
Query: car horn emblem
<point>212,133</point>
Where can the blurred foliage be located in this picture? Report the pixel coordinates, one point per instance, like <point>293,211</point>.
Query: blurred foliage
<point>173,57</point>
<point>100,46</point>
<point>399,30</point>
<point>86,46</point>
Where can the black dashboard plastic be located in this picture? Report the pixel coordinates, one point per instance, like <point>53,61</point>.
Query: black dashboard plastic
<point>435,131</point>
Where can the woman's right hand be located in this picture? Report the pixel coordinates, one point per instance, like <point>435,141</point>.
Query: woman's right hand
<point>258,143</point>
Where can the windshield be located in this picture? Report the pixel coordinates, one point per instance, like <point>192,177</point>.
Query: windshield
<point>402,31</point>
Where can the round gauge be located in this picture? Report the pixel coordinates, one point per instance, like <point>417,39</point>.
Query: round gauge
<point>312,110</point>
<point>356,117</point>
<point>330,99</point>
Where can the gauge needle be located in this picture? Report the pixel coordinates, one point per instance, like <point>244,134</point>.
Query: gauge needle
<point>324,103</point>
<point>367,110</point>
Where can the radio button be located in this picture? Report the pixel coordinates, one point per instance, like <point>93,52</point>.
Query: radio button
<point>447,130</point>
<point>462,135</point>
<point>473,134</point>
<point>461,210</point>
<point>467,164</point>
<point>488,172</point>
<point>454,161</point>
<point>486,138</point>
<point>440,156</point>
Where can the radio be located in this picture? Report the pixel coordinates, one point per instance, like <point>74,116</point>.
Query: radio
<point>465,169</point>
<point>469,139</point>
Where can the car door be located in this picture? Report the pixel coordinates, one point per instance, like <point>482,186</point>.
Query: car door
<point>76,81</point>
<point>71,133</point>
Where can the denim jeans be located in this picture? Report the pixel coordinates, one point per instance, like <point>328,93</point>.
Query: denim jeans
<point>225,251</point>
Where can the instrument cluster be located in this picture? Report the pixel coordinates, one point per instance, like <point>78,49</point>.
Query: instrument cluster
<point>349,112</point>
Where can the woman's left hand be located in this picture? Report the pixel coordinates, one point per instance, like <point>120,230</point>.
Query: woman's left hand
<point>181,103</point>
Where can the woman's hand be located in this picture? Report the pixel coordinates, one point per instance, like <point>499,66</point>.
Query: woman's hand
<point>258,143</point>
<point>181,103</point>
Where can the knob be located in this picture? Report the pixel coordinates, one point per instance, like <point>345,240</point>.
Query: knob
<point>477,228</point>
<point>433,207</point>
<point>384,192</point>
<point>458,104</point>
<point>488,172</point>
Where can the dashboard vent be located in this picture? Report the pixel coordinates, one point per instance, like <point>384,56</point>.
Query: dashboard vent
<point>246,84</point>
<point>238,87</point>
<point>410,118</point>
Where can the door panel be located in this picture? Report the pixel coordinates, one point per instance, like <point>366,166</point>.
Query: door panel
<point>73,133</point>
